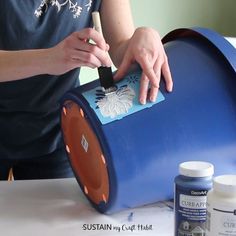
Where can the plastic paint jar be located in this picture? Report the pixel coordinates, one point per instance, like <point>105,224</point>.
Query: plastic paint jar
<point>191,188</point>
<point>221,207</point>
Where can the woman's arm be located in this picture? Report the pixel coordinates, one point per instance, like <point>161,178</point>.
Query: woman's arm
<point>118,27</point>
<point>15,65</point>
<point>70,53</point>
<point>127,46</point>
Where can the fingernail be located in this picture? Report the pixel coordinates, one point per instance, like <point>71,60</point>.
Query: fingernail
<point>153,98</point>
<point>142,101</point>
<point>170,88</point>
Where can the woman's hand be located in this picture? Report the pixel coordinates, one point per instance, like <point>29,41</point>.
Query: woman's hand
<point>72,52</point>
<point>145,47</point>
<point>75,51</point>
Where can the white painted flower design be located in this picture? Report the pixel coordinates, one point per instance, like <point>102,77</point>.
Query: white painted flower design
<point>117,103</point>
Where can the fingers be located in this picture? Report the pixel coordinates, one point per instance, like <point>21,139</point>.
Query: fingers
<point>154,89</point>
<point>145,47</point>
<point>167,75</point>
<point>151,77</point>
<point>89,33</point>
<point>78,63</point>
<point>77,48</point>
<point>144,85</point>
<point>100,54</point>
<point>147,67</point>
<point>85,59</point>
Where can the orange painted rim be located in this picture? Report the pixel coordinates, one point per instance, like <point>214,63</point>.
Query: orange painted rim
<point>85,153</point>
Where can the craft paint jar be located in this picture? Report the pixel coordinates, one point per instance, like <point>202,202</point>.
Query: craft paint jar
<point>191,188</point>
<point>221,207</point>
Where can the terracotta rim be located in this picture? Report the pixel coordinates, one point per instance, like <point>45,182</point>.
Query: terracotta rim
<point>85,153</point>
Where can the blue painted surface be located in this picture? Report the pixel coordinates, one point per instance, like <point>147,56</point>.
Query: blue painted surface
<point>197,121</point>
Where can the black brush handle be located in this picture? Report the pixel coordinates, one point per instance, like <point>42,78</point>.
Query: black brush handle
<point>105,73</point>
<point>106,77</point>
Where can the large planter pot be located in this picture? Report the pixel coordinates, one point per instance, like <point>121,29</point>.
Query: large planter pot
<point>131,161</point>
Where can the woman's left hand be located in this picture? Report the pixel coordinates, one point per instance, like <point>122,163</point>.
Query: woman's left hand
<point>145,47</point>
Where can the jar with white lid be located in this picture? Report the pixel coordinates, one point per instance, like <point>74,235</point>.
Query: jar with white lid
<point>221,207</point>
<point>191,187</point>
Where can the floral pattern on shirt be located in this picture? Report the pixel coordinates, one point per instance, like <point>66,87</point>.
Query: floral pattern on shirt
<point>72,5</point>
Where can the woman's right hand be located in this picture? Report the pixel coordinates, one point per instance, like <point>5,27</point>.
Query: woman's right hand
<point>75,51</point>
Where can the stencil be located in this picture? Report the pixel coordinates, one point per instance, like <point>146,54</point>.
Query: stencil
<point>121,103</point>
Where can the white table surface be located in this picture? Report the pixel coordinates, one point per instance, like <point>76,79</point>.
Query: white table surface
<point>58,207</point>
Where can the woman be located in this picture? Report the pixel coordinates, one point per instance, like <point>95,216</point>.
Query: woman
<point>43,44</point>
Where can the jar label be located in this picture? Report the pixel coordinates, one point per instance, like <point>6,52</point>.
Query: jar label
<point>192,202</point>
<point>190,210</point>
<point>221,220</point>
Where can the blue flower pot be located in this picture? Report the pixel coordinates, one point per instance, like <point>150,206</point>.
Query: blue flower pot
<point>132,160</point>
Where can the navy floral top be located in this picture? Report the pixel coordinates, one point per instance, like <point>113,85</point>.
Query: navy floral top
<point>29,108</point>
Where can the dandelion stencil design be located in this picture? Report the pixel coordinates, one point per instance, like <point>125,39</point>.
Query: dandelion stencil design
<point>117,103</point>
<point>71,4</point>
